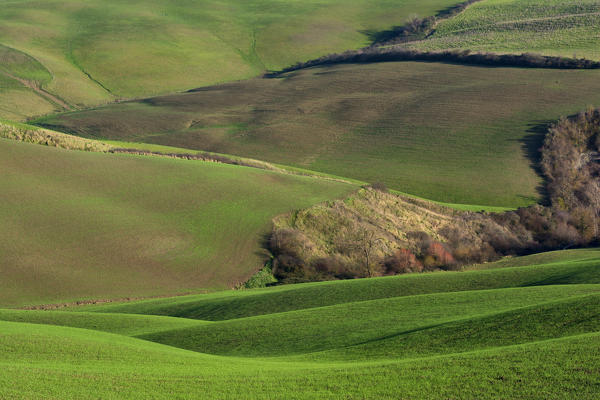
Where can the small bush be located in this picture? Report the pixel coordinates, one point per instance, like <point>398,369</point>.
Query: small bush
<point>379,186</point>
<point>439,256</point>
<point>262,278</point>
<point>401,262</point>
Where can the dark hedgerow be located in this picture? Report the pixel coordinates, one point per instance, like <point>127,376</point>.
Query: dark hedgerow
<point>378,54</point>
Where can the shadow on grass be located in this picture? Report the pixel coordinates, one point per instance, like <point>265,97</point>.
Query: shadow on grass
<point>532,144</point>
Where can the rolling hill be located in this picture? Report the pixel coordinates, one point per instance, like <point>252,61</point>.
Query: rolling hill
<point>457,134</point>
<point>79,225</point>
<point>92,52</point>
<point>153,170</point>
<point>510,331</point>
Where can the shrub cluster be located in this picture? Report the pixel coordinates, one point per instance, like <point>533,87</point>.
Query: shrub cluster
<point>353,239</point>
<point>571,165</point>
<point>570,161</point>
<point>46,137</point>
<point>417,28</point>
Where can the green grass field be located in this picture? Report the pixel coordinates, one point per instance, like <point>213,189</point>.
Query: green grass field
<point>90,225</point>
<point>457,134</point>
<point>510,331</point>
<point>548,27</point>
<point>93,52</point>
<point>116,270</point>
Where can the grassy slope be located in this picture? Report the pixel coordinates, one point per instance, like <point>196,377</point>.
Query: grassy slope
<point>365,324</point>
<point>88,225</point>
<point>17,101</point>
<point>58,362</point>
<point>97,50</point>
<point>575,267</point>
<point>445,132</point>
<point>522,342</point>
<point>549,27</point>
<point>122,324</point>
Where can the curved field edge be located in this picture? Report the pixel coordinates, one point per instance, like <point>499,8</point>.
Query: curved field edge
<point>400,327</point>
<point>560,268</point>
<point>94,363</point>
<point>114,226</point>
<point>122,324</point>
<point>303,331</point>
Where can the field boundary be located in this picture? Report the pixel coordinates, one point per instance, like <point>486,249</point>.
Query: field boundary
<point>463,57</point>
<point>47,137</point>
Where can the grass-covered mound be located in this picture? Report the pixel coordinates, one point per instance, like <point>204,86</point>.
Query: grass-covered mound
<point>80,225</point>
<point>507,332</point>
<point>444,132</point>
<point>548,27</point>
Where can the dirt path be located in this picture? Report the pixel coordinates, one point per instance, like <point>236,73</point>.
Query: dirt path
<point>40,92</point>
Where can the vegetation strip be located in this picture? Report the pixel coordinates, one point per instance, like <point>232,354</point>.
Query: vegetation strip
<point>388,54</point>
<point>46,137</point>
<point>417,29</point>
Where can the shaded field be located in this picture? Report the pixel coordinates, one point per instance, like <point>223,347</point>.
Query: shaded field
<point>93,52</point>
<point>80,225</point>
<point>548,27</point>
<point>457,134</point>
<point>527,337</point>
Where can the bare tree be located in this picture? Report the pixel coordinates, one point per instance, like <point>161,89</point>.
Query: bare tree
<point>366,244</point>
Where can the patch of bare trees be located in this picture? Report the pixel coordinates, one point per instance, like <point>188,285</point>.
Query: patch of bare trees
<point>571,166</point>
